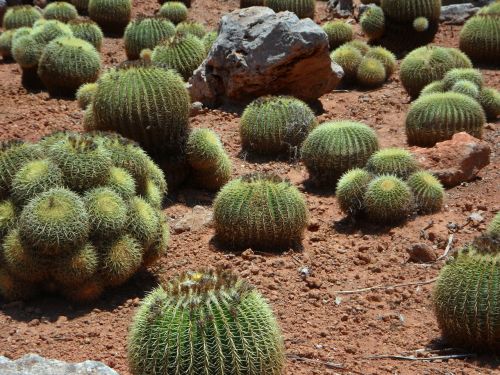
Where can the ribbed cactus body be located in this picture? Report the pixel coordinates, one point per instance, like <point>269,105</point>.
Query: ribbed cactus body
<point>6,44</point>
<point>385,56</point>
<point>409,10</point>
<point>208,323</point>
<point>7,216</point>
<point>494,226</point>
<point>111,15</point>
<point>427,191</point>
<point>88,30</point>
<point>78,268</point>
<point>466,87</point>
<point>154,112</point>
<point>351,190</point>
<point>349,58</point>
<point>302,8</point>
<point>392,161</point>
<point>436,117</point>
<point>260,211</point>
<point>19,16</point>
<point>371,72</point>
<point>47,31</point>
<point>489,98</point>
<point>123,259</point>
<point>81,5</point>
<point>275,124</point>
<point>460,59</point>
<point>107,212</point>
<point>209,40</point>
<point>455,75</point>
<point>373,22</point>
<point>145,33</point>
<point>338,32</point>
<point>61,11</point>
<point>85,94</point>
<point>336,147</point>
<point>432,88</point>
<point>190,27</point>
<point>175,11</point>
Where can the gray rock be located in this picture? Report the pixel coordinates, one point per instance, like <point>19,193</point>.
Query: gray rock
<point>457,14</point>
<point>261,52</point>
<point>194,220</point>
<point>33,364</point>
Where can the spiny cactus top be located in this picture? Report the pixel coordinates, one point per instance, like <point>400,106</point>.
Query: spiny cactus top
<point>494,226</point>
<point>260,211</point>
<point>302,8</point>
<point>174,11</point>
<point>427,191</point>
<point>205,322</point>
<point>274,124</point>
<point>145,33</point>
<point>392,161</point>
<point>77,213</point>
<point>86,29</point>
<point>348,57</point>
<point>61,11</point>
<point>189,27</point>
<point>19,16</point>
<point>338,32</point>
<point>111,15</point>
<point>373,22</point>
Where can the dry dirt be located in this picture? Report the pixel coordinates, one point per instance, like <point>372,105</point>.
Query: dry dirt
<point>331,333</point>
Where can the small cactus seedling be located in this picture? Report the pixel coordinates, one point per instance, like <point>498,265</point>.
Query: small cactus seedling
<point>427,191</point>
<point>175,11</point>
<point>392,161</point>
<point>260,211</point>
<point>244,335</point>
<point>371,72</point>
<point>302,8</point>
<point>61,11</point>
<point>85,94</point>
<point>351,190</point>
<point>275,124</point>
<point>338,32</point>
<point>373,22</point>
<point>193,28</point>
<point>459,74</point>
<point>466,88</point>
<point>19,16</point>
<point>385,56</point>
<point>145,33</point>
<point>349,58</point>
<point>489,98</point>
<point>111,15</point>
<point>436,117</point>
<point>421,24</point>
<point>88,30</point>
<point>335,147</point>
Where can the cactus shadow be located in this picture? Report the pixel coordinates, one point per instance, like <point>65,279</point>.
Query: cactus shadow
<point>354,224</point>
<point>216,245</point>
<point>190,197</point>
<point>51,306</point>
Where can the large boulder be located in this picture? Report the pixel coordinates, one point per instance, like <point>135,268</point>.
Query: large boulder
<point>33,364</point>
<point>261,52</point>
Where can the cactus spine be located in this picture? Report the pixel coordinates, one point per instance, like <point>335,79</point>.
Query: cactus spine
<point>302,8</point>
<point>145,33</point>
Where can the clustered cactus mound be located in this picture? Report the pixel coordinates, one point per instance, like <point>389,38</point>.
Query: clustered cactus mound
<point>146,33</point>
<point>86,29</point>
<point>272,125</point>
<point>111,15</point>
<point>175,11</point>
<point>77,215</point>
<point>427,191</point>
<point>338,32</point>
<point>261,212</point>
<point>205,322</point>
<point>302,8</point>
<point>480,36</point>
<point>335,147</point>
<point>19,16</point>
<point>61,11</point>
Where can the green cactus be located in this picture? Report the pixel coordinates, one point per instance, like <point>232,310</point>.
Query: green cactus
<point>373,22</point>
<point>61,11</point>
<point>338,32</point>
<point>251,3</point>
<point>467,88</point>
<point>209,40</point>
<point>146,32</point>
<point>19,16</point>
<point>143,221</point>
<point>465,300</point>
<point>360,45</point>
<point>385,56</point>
<point>423,66</point>
<point>427,191</point>
<point>214,178</point>
<point>47,31</point>
<point>78,268</point>
<point>388,199</point>
<point>85,94</point>
<point>371,72</point>
<point>333,148</point>
<point>436,117</point>
<point>88,30</point>
<point>260,211</point>
<point>302,8</point>
<point>22,31</point>
<point>489,98</point>
<point>460,59</point>
<point>111,15</point>
<point>351,189</point>
<point>421,24</point>
<point>159,246</point>
<point>193,28</point>
<point>122,182</point>
<point>244,335</point>
<point>15,290</point>
<point>107,212</point>
<point>460,74</point>
<point>88,119</point>
<point>432,88</point>
<point>392,161</point>
<point>81,5</point>
<point>6,44</point>
<point>7,216</point>
<point>183,53</point>
<point>494,226</point>
<point>408,10</point>
<point>275,124</point>
<point>175,11</point>
<point>26,51</point>
<point>155,112</point>
<point>122,260</point>
<point>349,58</point>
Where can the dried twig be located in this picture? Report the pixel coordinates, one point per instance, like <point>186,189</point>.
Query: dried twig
<point>425,359</point>
<point>447,249</point>
<point>385,287</point>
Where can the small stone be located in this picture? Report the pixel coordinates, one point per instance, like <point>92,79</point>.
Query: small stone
<point>314,283</point>
<point>421,253</point>
<point>248,254</point>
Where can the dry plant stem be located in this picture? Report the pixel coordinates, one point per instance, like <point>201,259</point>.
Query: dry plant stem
<point>378,287</point>
<point>412,358</point>
<point>447,249</point>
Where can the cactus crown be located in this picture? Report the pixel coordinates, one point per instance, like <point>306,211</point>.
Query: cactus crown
<point>19,16</point>
<point>60,10</point>
<point>392,161</point>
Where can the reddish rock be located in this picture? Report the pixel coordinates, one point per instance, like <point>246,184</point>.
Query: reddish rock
<point>456,160</point>
<point>421,253</point>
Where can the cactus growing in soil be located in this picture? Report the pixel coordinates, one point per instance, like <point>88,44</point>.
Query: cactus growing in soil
<point>466,88</point>
<point>427,191</point>
<point>111,15</point>
<point>6,44</point>
<point>19,16</point>
<point>455,75</point>
<point>489,98</point>
<point>193,28</point>
<point>85,94</point>
<point>183,53</point>
<point>175,11</point>
<point>349,58</point>
<point>387,199</point>
<point>371,72</point>
<point>392,161</point>
<point>88,30</point>
<point>436,117</point>
<point>385,56</point>
<point>373,22</point>
<point>61,11</point>
<point>336,147</point>
<point>155,113</point>
<point>146,32</point>
<point>67,63</point>
<point>302,8</point>
<point>275,124</point>
<point>494,226</point>
<point>351,190</point>
<point>338,32</point>
<point>260,211</point>
<point>245,336</point>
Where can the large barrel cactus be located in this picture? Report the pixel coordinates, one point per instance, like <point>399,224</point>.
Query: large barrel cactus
<point>205,322</point>
<point>76,215</point>
<point>302,8</point>
<point>61,11</point>
<point>260,211</point>
<point>19,16</point>
<point>146,32</point>
<point>86,29</point>
<point>111,15</point>
<point>175,11</point>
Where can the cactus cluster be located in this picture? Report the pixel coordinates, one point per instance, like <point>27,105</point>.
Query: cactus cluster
<point>111,15</point>
<point>260,211</point>
<point>338,32</point>
<point>189,27</point>
<point>205,322</point>
<point>146,33</point>
<point>76,215</point>
<point>20,16</point>
<point>272,125</point>
<point>175,11</point>
<point>61,11</point>
<point>302,8</point>
<point>88,30</point>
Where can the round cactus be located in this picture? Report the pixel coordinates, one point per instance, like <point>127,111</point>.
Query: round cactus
<point>111,15</point>
<point>107,212</point>
<point>251,3</point>
<point>433,87</point>
<point>423,66</point>
<point>489,98</point>
<point>7,216</point>
<point>81,5</point>
<point>385,56</point>
<point>335,147</point>
<point>61,11</point>
<point>245,336</point>
<point>427,191</point>
<point>273,125</point>
<point>88,30</point>
<point>67,63</point>
<point>387,199</point>
<point>421,24</point>
<point>392,161</point>
<point>260,211</point>
<point>436,117</point>
<point>360,45</point>
<point>209,40</point>
<point>351,189</point>
<point>302,8</point>
<point>349,58</point>
<point>460,59</point>
<point>145,33</point>
<point>338,32</point>
<point>175,11</point>
<point>466,87</point>
<point>373,22</point>
<point>85,94</point>
<point>460,74</point>
<point>371,72</point>
<point>6,44</point>
<point>409,10</point>
<point>155,113</point>
<point>19,16</point>
<point>78,268</point>
<point>194,28</point>
<point>494,226</point>
<point>466,298</point>
<point>47,31</point>
<point>183,53</point>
